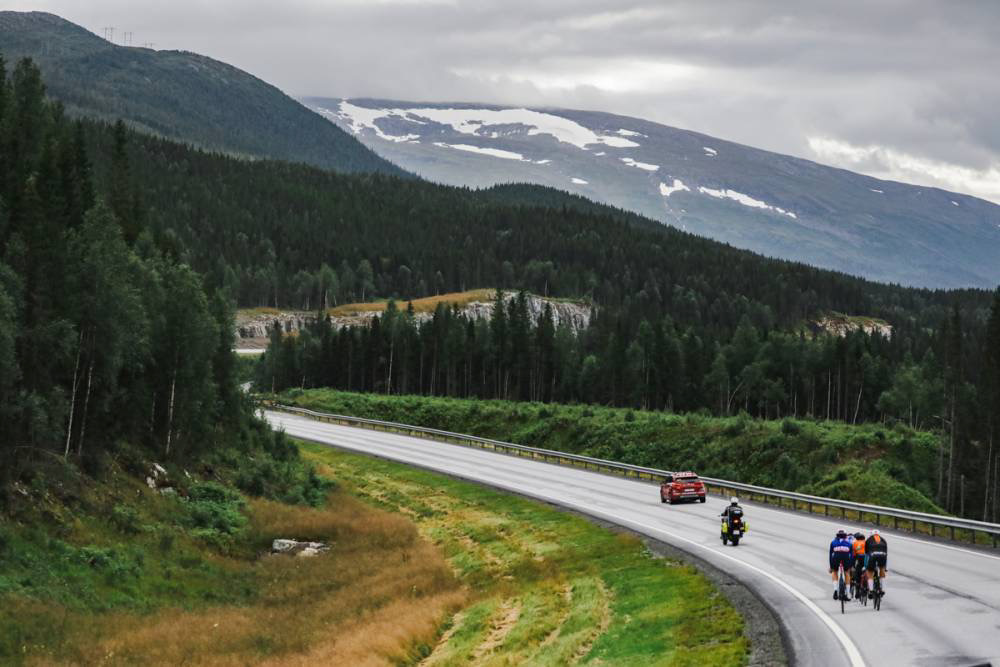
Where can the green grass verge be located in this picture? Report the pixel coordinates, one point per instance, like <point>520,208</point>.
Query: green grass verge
<point>548,587</point>
<point>871,463</point>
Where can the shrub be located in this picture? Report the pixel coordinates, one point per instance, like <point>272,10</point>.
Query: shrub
<point>215,510</point>
<point>213,492</point>
<point>791,428</point>
<point>125,519</point>
<point>735,427</point>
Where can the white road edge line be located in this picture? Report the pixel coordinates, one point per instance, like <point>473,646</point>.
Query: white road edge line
<point>853,653</point>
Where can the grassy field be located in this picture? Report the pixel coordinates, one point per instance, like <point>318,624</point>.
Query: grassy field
<point>422,570</point>
<point>106,570</point>
<point>546,587</point>
<point>871,463</point>
<point>425,305</point>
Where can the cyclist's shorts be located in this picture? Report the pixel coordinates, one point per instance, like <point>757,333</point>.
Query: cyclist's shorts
<point>841,559</point>
<point>875,559</point>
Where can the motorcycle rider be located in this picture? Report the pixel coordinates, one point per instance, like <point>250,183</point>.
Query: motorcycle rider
<point>841,553</point>
<point>734,503</point>
<point>876,555</point>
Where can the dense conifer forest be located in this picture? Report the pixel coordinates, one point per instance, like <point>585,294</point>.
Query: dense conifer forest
<point>104,336</point>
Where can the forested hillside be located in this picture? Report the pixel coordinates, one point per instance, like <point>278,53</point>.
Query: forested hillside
<point>178,94</point>
<point>682,323</point>
<point>103,337</point>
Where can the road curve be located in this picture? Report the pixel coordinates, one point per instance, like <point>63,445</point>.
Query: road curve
<point>942,605</point>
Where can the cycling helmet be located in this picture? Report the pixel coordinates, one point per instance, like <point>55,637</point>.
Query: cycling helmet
<point>859,535</point>
<point>875,532</point>
<point>734,501</point>
<point>841,533</point>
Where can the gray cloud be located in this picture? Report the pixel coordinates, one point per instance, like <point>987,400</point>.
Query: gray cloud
<point>898,89</point>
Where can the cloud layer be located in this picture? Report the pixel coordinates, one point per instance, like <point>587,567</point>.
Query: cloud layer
<point>900,90</point>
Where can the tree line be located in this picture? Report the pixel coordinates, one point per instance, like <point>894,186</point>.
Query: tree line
<point>663,365</point>
<point>104,334</point>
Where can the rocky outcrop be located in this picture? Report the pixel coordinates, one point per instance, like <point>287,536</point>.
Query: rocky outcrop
<point>259,325</point>
<point>841,325</point>
<point>573,313</point>
<point>253,330</point>
<point>299,549</point>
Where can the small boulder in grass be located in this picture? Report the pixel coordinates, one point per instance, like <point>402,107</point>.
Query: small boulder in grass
<point>296,548</point>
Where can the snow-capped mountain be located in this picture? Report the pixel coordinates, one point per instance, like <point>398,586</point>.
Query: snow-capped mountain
<point>770,203</point>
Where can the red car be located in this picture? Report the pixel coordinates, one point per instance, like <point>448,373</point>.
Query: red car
<point>680,486</point>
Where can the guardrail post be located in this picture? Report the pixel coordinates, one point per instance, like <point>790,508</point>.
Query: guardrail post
<point>952,533</point>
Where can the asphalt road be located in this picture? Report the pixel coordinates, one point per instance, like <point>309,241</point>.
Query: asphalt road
<point>942,604</point>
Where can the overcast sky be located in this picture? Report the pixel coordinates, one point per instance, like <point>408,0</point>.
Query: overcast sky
<point>900,90</point>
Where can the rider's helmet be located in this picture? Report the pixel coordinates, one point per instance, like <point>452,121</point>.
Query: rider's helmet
<point>734,501</point>
<point>875,532</point>
<point>859,535</point>
<point>841,533</point>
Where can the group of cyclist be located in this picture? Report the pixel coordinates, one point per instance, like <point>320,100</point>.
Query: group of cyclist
<point>859,557</point>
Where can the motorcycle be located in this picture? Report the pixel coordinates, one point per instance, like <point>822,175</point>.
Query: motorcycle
<point>734,527</point>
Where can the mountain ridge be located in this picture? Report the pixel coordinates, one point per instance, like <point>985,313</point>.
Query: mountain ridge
<point>774,204</point>
<point>179,95</point>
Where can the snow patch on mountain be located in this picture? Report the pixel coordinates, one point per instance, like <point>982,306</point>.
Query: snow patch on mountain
<point>578,181</point>
<point>954,202</point>
<point>746,200</point>
<point>678,186</point>
<point>630,133</point>
<point>640,165</point>
<point>476,122</point>
<point>710,152</point>
<point>492,152</point>
<point>878,191</point>
<point>543,161</point>
<point>360,118</point>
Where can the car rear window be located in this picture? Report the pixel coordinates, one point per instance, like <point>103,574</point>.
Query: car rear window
<point>692,479</point>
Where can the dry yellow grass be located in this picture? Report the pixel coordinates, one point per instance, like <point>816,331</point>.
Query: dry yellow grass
<point>425,305</point>
<point>376,598</point>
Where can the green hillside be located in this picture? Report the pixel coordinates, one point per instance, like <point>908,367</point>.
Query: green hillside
<point>179,95</point>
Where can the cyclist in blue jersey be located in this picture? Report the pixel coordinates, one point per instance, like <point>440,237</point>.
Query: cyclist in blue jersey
<point>841,553</point>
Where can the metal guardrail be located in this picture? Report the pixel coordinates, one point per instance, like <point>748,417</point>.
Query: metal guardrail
<point>919,522</point>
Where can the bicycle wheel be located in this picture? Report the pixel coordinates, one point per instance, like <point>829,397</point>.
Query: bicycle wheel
<point>877,597</point>
<point>841,591</point>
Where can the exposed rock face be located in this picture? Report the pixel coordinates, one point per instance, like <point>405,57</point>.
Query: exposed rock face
<point>576,315</point>
<point>158,481</point>
<point>840,325</point>
<point>253,331</point>
<point>298,549</point>
<point>259,326</point>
